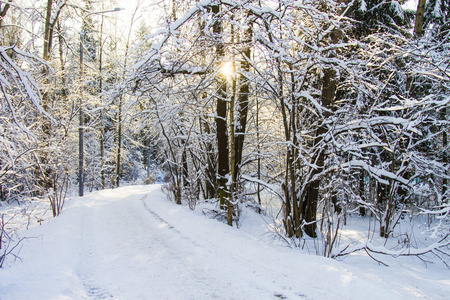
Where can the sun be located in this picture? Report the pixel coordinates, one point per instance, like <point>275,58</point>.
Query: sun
<point>226,69</point>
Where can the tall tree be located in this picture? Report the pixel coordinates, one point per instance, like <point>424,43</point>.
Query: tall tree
<point>436,18</point>
<point>223,164</point>
<point>436,23</point>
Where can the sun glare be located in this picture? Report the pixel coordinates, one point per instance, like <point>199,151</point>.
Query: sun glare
<point>226,69</point>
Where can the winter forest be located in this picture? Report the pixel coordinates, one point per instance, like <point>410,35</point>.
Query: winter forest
<point>329,110</point>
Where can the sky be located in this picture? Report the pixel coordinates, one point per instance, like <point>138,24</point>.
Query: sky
<point>411,4</point>
<point>147,11</point>
<point>138,12</point>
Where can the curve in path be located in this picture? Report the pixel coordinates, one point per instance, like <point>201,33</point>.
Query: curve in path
<point>131,243</point>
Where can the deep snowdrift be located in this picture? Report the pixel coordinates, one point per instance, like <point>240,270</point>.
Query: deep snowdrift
<point>130,243</point>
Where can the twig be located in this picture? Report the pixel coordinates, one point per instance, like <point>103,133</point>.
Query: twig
<point>378,261</point>
<point>442,260</point>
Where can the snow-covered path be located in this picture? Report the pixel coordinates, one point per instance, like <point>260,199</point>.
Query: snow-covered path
<point>130,243</point>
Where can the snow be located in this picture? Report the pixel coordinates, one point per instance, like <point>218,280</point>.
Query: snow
<point>410,4</point>
<point>131,243</point>
<point>363,6</point>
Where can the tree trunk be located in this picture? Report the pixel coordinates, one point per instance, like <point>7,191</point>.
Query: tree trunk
<point>210,170</point>
<point>445,153</point>
<point>100,90</point>
<point>64,89</point>
<point>102,151</point>
<point>47,35</point>
<point>328,93</point>
<point>185,170</point>
<point>312,190</point>
<point>291,204</point>
<point>4,11</point>
<point>174,10</point>
<point>119,143</point>
<point>418,27</point>
<point>233,163</point>
<point>46,181</point>
<point>258,147</point>
<point>119,113</point>
<point>362,194</point>
<point>383,207</point>
<point>243,102</point>
<point>293,211</point>
<point>221,122</point>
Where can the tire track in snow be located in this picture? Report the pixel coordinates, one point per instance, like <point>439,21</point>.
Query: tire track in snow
<point>158,217</point>
<point>140,255</point>
<point>92,289</point>
<point>238,260</point>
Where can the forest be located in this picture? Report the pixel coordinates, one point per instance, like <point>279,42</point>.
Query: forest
<point>332,109</point>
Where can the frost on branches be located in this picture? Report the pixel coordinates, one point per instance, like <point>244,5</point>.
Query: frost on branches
<point>342,114</point>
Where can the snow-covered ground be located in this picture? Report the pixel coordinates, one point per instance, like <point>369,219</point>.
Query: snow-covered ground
<point>131,243</point>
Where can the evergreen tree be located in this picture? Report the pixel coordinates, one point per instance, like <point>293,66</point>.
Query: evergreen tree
<point>437,18</point>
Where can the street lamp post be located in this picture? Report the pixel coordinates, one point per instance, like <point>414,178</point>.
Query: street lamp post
<point>80,128</point>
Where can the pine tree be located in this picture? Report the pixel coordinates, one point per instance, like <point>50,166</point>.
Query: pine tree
<point>437,18</point>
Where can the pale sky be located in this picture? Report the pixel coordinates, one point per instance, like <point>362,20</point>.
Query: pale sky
<point>144,11</point>
<point>411,4</point>
<point>149,11</point>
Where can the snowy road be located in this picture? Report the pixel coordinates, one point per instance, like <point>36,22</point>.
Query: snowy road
<point>135,253</point>
<point>130,243</point>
